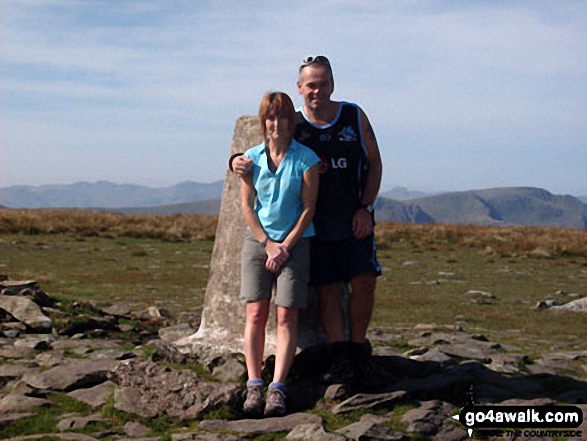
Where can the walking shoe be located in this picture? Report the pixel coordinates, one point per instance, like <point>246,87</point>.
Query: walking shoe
<point>254,403</point>
<point>275,403</point>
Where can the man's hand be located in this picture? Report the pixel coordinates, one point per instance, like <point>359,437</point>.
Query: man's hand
<point>242,166</point>
<point>277,255</point>
<point>362,224</point>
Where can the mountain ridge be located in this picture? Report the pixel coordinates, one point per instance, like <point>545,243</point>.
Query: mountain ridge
<point>491,206</point>
<point>106,194</point>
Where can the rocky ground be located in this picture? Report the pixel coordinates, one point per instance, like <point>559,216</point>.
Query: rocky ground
<point>120,372</point>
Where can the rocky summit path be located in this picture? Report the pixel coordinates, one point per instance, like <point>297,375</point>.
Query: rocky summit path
<point>87,372</point>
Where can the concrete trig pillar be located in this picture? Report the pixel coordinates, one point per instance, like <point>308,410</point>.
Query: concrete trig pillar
<point>223,318</point>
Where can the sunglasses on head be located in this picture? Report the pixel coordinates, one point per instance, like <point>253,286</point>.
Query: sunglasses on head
<point>319,59</point>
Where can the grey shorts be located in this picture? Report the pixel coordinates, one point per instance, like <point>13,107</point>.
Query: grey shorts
<point>291,281</point>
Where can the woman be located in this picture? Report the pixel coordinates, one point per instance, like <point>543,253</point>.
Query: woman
<point>278,200</point>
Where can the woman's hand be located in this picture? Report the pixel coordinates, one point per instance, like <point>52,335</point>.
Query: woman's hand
<point>277,255</point>
<point>242,166</point>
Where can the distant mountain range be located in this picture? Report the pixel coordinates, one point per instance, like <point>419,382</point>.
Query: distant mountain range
<point>497,206</point>
<point>104,194</point>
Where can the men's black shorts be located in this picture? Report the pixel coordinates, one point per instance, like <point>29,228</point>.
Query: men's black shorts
<point>342,260</point>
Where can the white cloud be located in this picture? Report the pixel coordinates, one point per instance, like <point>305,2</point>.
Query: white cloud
<point>163,76</point>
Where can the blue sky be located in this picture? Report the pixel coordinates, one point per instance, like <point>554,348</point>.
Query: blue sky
<point>461,94</point>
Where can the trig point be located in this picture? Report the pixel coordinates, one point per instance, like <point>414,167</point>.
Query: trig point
<point>223,318</point>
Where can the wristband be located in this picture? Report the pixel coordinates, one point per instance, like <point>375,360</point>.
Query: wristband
<point>232,159</point>
<point>264,241</point>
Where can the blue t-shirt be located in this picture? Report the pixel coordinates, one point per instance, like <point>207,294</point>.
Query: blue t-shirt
<point>279,195</point>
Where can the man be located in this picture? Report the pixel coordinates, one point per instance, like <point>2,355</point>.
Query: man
<point>344,247</point>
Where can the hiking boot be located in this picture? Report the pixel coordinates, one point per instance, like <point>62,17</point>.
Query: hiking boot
<point>254,403</point>
<point>275,403</point>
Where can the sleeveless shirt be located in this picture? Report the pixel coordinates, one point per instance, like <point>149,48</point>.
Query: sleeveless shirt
<point>340,147</point>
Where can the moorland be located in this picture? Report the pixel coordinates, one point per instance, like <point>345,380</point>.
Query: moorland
<point>430,271</point>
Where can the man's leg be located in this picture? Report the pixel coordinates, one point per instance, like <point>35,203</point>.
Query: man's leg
<point>331,311</point>
<point>361,305</point>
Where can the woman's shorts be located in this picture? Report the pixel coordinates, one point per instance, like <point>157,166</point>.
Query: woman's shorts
<point>291,281</point>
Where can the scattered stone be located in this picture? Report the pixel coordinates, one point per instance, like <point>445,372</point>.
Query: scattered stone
<point>78,422</point>
<point>26,311</point>
<point>119,310</point>
<point>7,418</point>
<point>314,432</point>
<point>508,363</point>
<point>135,429</point>
<point>21,403</point>
<point>370,431</point>
<point>94,396</point>
<point>199,436</point>
<point>336,392</point>
<point>148,387</point>
<point>130,400</point>
<point>72,376</point>
<point>12,288</point>
<point>37,343</point>
<point>370,401</point>
<point>549,303</point>
<point>432,419</point>
<point>259,427</point>
<point>176,332</point>
<point>435,356</point>
<point>229,368</point>
<point>579,305</point>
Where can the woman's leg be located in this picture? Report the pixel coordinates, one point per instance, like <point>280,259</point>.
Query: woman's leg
<point>254,341</point>
<point>286,341</point>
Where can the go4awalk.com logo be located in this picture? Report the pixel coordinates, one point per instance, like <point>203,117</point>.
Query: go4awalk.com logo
<point>517,421</point>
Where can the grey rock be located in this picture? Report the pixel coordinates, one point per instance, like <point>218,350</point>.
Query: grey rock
<point>26,311</point>
<point>94,396</point>
<point>432,419</point>
<point>579,305</point>
<point>177,393</point>
<point>111,354</point>
<point>229,368</point>
<point>130,400</point>
<point>12,288</point>
<point>314,432</point>
<point>336,392</point>
<point>176,332</point>
<point>65,436</point>
<point>78,422</point>
<point>7,418</point>
<point>135,429</point>
<point>165,351</point>
<point>71,377</point>
<point>21,403</point>
<point>370,431</point>
<point>435,356</point>
<point>259,427</point>
<point>199,436</point>
<point>9,372</point>
<point>35,342</point>
<point>119,310</point>
<point>51,359</point>
<point>508,363</point>
<point>370,401</point>
<point>13,352</point>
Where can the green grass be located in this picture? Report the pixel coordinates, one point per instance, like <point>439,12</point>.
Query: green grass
<point>408,294</point>
<point>173,275</point>
<point>146,272</point>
